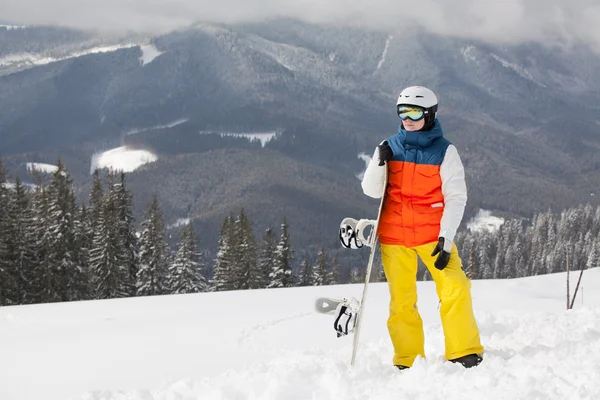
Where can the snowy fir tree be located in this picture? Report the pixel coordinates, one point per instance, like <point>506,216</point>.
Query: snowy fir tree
<point>152,274</point>
<point>593,259</point>
<point>61,256</point>
<point>108,260</point>
<point>306,274</point>
<point>53,250</point>
<point>356,276</point>
<point>84,237</point>
<point>95,201</point>
<point>223,277</point>
<point>334,276</point>
<point>41,279</point>
<point>281,274</point>
<point>186,274</point>
<point>321,272</point>
<point>266,257</point>
<point>9,275</point>
<point>472,269</point>
<point>127,233</point>
<point>23,252</point>
<point>246,274</point>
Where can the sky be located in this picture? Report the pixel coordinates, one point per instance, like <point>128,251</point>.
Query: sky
<point>270,344</point>
<point>506,21</point>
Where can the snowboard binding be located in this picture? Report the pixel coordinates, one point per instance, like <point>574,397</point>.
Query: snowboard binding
<point>352,233</point>
<point>345,311</point>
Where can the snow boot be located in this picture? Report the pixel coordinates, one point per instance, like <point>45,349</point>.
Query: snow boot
<point>401,367</point>
<point>468,361</point>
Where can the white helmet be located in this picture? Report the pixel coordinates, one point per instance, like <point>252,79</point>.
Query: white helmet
<point>418,96</point>
<point>422,97</point>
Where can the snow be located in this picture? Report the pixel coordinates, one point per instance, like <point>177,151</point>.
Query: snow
<point>149,53</point>
<point>262,137</point>
<point>518,69</point>
<point>285,55</point>
<point>484,220</point>
<point>121,159</point>
<point>180,222</point>
<point>41,167</point>
<point>270,344</point>
<point>385,50</point>
<point>468,53</point>
<point>31,59</point>
<point>157,127</point>
<point>25,59</point>
<point>9,27</point>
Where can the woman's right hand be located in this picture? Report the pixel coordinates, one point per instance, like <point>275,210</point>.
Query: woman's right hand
<point>385,153</point>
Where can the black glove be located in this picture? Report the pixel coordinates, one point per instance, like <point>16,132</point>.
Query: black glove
<point>442,261</point>
<point>385,153</point>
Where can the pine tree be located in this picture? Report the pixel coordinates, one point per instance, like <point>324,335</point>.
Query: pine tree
<point>281,275</point>
<point>9,275</point>
<point>551,245</point>
<point>593,258</point>
<point>127,233</point>
<point>356,276</point>
<point>596,223</point>
<point>486,254</point>
<point>266,257</point>
<point>152,274</point>
<point>223,278</point>
<point>187,273</point>
<point>472,270</point>
<point>95,201</point>
<point>306,273</point>
<point>108,261</point>
<point>61,235</point>
<point>245,271</point>
<point>321,275</point>
<point>84,237</point>
<point>539,239</point>
<point>334,276</point>
<point>42,279</point>
<point>24,240</point>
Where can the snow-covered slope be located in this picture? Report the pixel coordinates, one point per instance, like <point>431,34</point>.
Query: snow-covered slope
<point>25,60</point>
<point>269,344</point>
<point>46,168</point>
<point>121,159</point>
<point>485,221</point>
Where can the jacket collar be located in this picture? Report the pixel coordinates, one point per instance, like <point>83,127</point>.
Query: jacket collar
<point>420,139</point>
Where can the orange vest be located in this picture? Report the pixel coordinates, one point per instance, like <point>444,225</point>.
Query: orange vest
<point>414,203</point>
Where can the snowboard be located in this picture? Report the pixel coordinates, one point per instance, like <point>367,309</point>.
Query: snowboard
<point>327,305</point>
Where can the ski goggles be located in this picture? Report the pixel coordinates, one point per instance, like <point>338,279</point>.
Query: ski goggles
<point>413,113</point>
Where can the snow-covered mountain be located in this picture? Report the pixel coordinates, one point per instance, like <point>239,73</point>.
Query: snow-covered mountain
<point>270,344</point>
<point>524,117</point>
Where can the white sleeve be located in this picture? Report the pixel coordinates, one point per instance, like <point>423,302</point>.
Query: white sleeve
<point>454,190</point>
<point>373,183</point>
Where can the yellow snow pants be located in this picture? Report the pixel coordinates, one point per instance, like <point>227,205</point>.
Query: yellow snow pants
<point>456,309</point>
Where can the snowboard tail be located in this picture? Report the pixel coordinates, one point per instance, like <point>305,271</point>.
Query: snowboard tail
<point>327,305</point>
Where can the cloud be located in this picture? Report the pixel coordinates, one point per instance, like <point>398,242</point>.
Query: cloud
<point>503,21</point>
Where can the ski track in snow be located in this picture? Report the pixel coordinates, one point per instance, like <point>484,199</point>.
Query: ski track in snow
<point>247,334</point>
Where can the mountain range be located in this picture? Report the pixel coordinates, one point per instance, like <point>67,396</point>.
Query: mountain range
<point>523,117</point>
